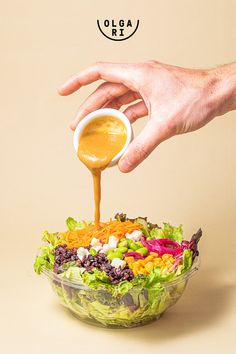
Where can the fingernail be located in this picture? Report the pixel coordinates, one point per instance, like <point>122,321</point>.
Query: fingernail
<point>124,164</point>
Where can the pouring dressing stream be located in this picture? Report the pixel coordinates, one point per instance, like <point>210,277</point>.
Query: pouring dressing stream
<point>100,141</point>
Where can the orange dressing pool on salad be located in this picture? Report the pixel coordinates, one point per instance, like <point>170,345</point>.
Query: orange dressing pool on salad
<point>100,141</point>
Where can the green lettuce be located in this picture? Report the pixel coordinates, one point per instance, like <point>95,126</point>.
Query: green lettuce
<point>52,238</point>
<point>131,304</point>
<point>95,279</point>
<point>187,260</point>
<point>121,288</point>
<point>157,297</point>
<point>174,233</point>
<point>72,224</point>
<point>186,264</point>
<point>72,272</point>
<point>156,276</point>
<point>45,259</point>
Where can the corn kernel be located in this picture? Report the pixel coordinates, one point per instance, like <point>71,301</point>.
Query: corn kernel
<point>149,266</point>
<point>129,259</point>
<point>165,257</point>
<point>140,261</point>
<point>135,265</point>
<point>157,262</point>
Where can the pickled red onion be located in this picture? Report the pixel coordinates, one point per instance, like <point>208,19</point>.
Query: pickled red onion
<point>161,246</point>
<point>136,255</point>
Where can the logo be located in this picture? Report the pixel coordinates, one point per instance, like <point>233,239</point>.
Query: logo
<point>118,30</point>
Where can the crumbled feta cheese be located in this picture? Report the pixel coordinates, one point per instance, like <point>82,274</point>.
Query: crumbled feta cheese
<point>117,262</point>
<point>113,241</point>
<point>95,242</point>
<point>106,248</point>
<point>81,252</point>
<point>134,236</point>
<point>97,248</point>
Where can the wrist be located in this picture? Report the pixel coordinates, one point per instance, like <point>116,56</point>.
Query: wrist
<point>222,89</point>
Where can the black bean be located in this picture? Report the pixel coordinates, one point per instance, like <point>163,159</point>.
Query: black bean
<point>99,261</point>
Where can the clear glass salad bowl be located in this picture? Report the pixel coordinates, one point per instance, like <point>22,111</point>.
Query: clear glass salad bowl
<point>137,307</point>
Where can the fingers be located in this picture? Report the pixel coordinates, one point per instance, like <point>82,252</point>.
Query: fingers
<point>116,73</point>
<point>103,94</point>
<point>135,111</point>
<point>127,98</point>
<point>151,136</point>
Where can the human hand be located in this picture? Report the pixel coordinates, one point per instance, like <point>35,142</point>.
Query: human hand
<point>176,100</point>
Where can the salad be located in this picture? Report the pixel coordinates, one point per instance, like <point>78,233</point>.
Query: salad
<point>123,274</point>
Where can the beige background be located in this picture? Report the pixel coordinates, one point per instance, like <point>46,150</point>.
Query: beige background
<point>189,179</point>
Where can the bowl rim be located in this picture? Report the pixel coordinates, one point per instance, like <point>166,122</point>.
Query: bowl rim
<point>75,284</point>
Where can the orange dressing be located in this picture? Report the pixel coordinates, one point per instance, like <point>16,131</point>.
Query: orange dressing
<point>100,141</point>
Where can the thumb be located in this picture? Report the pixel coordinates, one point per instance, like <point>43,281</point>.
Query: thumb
<point>141,147</point>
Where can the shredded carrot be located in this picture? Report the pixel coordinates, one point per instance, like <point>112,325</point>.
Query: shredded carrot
<point>83,237</point>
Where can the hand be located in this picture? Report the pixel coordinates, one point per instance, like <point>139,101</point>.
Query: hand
<point>176,100</point>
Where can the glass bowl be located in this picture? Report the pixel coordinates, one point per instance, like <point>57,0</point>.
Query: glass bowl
<point>137,307</point>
